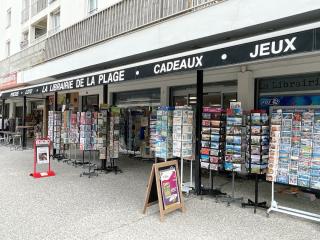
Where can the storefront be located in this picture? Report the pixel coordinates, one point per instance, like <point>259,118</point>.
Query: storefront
<point>249,71</point>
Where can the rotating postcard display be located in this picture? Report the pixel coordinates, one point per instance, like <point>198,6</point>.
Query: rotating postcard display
<point>65,130</point>
<point>114,132</point>
<point>235,138</point>
<point>182,132</point>
<point>102,129</point>
<point>164,127</point>
<point>74,129</point>
<point>85,131</point>
<point>54,128</point>
<point>258,142</point>
<point>294,156</point>
<point>212,138</point>
<point>153,131</point>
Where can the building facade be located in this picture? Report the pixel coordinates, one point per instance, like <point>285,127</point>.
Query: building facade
<point>47,41</point>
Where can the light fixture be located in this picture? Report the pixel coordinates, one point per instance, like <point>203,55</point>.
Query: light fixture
<point>192,98</point>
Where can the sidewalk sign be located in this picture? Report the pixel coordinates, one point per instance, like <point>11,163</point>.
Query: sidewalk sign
<point>164,188</point>
<point>41,149</point>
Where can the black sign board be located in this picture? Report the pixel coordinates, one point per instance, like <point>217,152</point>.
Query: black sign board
<point>300,42</point>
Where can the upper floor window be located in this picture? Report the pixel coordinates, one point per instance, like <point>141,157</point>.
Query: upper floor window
<point>92,6</point>
<point>55,21</point>
<point>8,48</point>
<point>9,17</point>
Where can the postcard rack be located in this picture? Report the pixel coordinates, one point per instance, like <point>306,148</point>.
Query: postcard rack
<point>257,152</point>
<point>212,146</point>
<point>294,155</point>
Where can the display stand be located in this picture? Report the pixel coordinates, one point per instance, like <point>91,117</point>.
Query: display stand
<point>91,166</point>
<point>294,155</point>
<point>235,146</point>
<point>183,141</point>
<point>212,146</point>
<point>257,152</point>
<point>164,127</point>
<point>102,137</point>
<point>113,140</point>
<point>54,133</point>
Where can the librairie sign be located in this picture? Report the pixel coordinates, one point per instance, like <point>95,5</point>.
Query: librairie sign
<point>300,42</point>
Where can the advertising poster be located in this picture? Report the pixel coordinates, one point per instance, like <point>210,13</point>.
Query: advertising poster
<point>169,187</point>
<point>42,155</point>
<point>307,100</point>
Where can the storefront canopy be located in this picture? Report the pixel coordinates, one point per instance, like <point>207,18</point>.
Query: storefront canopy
<point>221,55</point>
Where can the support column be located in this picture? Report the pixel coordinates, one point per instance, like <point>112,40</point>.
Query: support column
<point>45,117</point>
<point>3,113</point>
<point>24,114</point>
<point>12,110</point>
<point>199,107</point>
<point>28,107</point>
<point>246,91</point>
<point>165,96</point>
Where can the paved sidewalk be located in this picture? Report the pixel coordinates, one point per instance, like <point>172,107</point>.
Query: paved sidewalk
<point>109,207</point>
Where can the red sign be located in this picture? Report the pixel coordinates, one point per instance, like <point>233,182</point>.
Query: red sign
<point>42,156</point>
<point>8,81</point>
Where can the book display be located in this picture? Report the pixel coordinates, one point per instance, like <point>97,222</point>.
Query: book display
<point>258,142</point>
<point>235,139</point>
<point>294,152</point>
<point>212,138</point>
<point>164,128</point>
<point>54,129</point>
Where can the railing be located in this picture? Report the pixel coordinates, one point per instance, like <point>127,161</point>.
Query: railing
<point>25,15</point>
<point>37,6</point>
<point>53,30</point>
<point>24,44</point>
<point>125,16</point>
<point>24,59</point>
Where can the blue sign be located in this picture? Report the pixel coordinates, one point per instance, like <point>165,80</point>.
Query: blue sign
<point>267,101</point>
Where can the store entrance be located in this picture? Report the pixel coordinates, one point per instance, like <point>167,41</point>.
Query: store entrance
<point>137,111</point>
<point>215,95</point>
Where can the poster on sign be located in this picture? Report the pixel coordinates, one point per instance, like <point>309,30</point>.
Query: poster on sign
<point>169,187</point>
<point>164,188</point>
<point>42,155</point>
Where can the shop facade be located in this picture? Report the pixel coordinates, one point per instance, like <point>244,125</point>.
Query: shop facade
<point>258,72</point>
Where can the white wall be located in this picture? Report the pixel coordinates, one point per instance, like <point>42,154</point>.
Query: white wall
<point>226,16</point>
<point>14,31</point>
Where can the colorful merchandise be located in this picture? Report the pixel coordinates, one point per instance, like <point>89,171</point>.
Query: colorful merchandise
<point>212,138</point>
<point>182,132</point>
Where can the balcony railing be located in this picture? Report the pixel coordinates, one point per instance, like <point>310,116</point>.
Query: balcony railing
<point>125,16</point>
<point>25,15</point>
<point>37,6</point>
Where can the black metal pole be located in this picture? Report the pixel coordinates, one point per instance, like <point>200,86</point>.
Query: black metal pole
<point>55,109</point>
<point>256,192</point>
<point>3,114</point>
<point>105,101</point>
<point>199,107</point>
<point>24,140</point>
